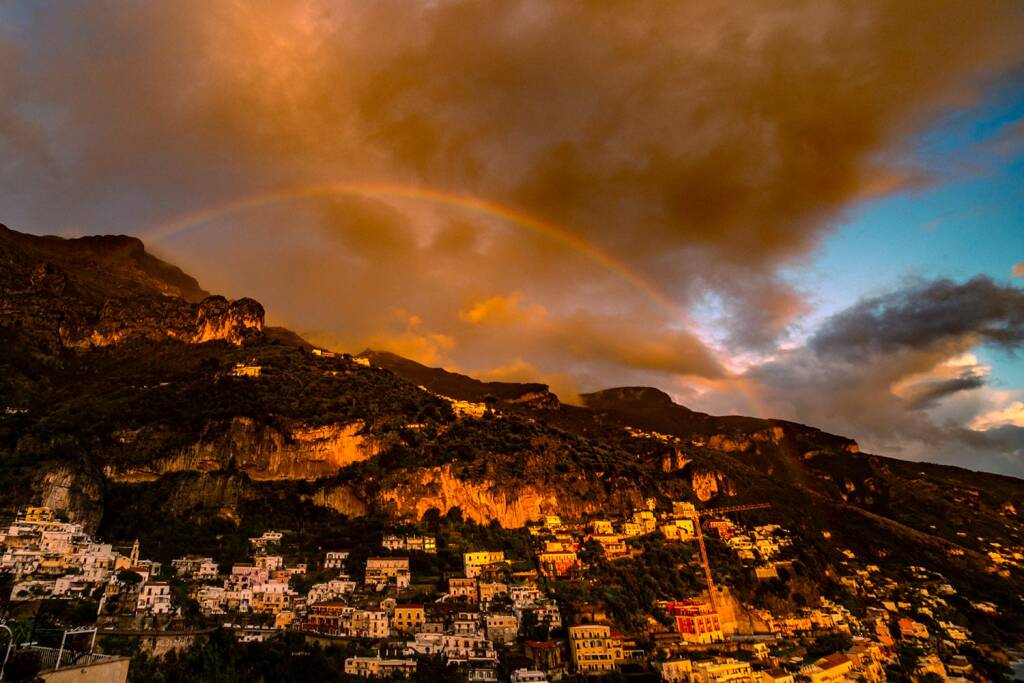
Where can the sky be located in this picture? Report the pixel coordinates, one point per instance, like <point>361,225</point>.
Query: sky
<point>810,210</point>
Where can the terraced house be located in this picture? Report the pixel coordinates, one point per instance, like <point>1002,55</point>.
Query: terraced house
<point>594,649</point>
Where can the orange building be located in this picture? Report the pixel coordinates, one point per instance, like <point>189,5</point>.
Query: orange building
<point>557,564</point>
<point>696,621</point>
<point>327,617</point>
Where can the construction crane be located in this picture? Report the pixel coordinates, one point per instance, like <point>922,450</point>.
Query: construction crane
<point>695,515</point>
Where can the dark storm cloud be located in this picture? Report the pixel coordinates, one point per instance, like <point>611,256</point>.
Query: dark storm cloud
<point>999,449</point>
<point>924,315</point>
<point>928,394</point>
<point>892,371</point>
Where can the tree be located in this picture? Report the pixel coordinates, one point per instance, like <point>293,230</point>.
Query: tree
<point>129,578</point>
<point>431,519</point>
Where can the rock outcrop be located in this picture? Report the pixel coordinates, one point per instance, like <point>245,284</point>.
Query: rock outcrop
<point>74,493</point>
<point>213,319</point>
<point>261,452</point>
<point>97,291</point>
<point>341,499</point>
<point>707,485</point>
<point>485,502</point>
<point>438,488</point>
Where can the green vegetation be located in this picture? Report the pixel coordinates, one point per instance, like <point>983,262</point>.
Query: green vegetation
<point>135,402</point>
<point>288,658</point>
<point>221,658</point>
<point>628,588</point>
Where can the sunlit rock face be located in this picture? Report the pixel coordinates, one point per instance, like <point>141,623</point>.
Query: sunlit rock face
<point>708,485</point>
<point>487,501</point>
<point>90,292</point>
<point>213,319</point>
<point>479,501</point>
<point>261,452</point>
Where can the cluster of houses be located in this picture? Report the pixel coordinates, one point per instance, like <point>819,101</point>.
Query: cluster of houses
<point>49,558</point>
<point>258,587</point>
<point>558,543</point>
<point>914,611</point>
<point>497,614</point>
<point>480,612</point>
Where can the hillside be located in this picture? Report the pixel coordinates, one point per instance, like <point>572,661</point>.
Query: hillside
<point>129,393</point>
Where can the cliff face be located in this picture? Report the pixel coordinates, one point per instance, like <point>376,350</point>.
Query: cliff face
<point>119,320</point>
<point>343,499</point>
<point>261,452</point>
<point>488,501</point>
<point>438,488</point>
<point>61,294</point>
<point>708,485</point>
<point>74,492</point>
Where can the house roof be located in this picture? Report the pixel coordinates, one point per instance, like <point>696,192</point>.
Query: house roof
<point>833,660</point>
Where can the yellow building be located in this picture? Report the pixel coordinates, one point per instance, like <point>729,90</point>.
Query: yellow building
<point>489,591</point>
<point>632,529</point>
<point>646,519</point>
<point>408,618</point>
<point>594,649</point>
<point>612,545</point>
<point>678,530</point>
<point>676,670</point>
<point>683,508</point>
<point>39,514</point>
<point>268,602</point>
<point>380,570</point>
<point>831,669</point>
<point>724,671</point>
<point>475,561</point>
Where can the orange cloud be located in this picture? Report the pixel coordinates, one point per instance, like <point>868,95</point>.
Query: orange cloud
<point>704,144</point>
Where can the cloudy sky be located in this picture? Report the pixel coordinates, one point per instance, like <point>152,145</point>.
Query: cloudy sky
<point>809,210</point>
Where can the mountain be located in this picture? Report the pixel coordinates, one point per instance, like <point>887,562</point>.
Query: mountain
<point>461,387</point>
<point>137,403</point>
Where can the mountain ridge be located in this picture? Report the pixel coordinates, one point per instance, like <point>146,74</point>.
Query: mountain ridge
<point>217,433</point>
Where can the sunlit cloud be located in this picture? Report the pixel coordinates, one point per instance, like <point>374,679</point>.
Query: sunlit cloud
<point>636,166</point>
<point>1012,414</point>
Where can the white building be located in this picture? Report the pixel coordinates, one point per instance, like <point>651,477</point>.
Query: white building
<point>154,598</point>
<point>376,667</point>
<point>335,559</point>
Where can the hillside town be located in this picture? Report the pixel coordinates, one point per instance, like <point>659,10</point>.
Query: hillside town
<point>503,618</point>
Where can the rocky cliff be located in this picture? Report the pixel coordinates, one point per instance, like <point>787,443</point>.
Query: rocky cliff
<point>261,452</point>
<point>74,491</point>
<point>58,294</point>
<point>482,502</point>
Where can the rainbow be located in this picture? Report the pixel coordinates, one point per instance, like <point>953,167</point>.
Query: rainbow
<point>186,222</point>
<point>183,223</point>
